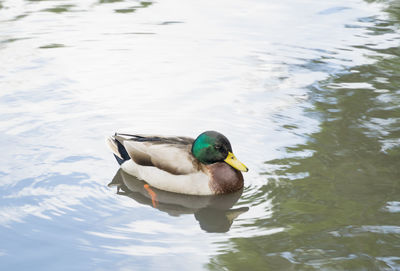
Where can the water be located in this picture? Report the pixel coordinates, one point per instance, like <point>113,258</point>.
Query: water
<point>308,92</point>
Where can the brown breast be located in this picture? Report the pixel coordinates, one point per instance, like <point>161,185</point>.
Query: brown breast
<point>224,178</point>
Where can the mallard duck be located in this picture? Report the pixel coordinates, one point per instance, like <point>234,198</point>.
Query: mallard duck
<point>201,166</point>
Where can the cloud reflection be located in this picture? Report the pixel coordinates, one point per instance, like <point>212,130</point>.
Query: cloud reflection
<point>46,201</point>
<point>150,250</point>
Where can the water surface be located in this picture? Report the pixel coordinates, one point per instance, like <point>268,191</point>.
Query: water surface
<point>308,92</point>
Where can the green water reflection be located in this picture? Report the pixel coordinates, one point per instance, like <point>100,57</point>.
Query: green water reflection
<point>334,201</point>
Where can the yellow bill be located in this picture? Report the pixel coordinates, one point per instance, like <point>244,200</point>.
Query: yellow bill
<point>235,163</point>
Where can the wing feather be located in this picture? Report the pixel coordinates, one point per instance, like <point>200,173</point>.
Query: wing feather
<point>171,154</point>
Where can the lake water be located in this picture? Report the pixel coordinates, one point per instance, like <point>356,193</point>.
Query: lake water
<point>307,91</point>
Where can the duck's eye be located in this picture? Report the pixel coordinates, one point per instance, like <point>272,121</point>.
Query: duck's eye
<point>218,147</point>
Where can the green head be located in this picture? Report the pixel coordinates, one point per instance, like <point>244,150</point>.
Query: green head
<point>211,147</point>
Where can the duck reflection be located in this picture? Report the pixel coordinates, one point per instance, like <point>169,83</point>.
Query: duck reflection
<point>214,213</point>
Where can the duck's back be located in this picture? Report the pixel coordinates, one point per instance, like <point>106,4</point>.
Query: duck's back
<point>172,154</point>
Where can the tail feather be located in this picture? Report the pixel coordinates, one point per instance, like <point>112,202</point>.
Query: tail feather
<point>118,149</point>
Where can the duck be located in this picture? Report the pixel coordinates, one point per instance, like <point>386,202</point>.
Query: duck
<point>202,166</point>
